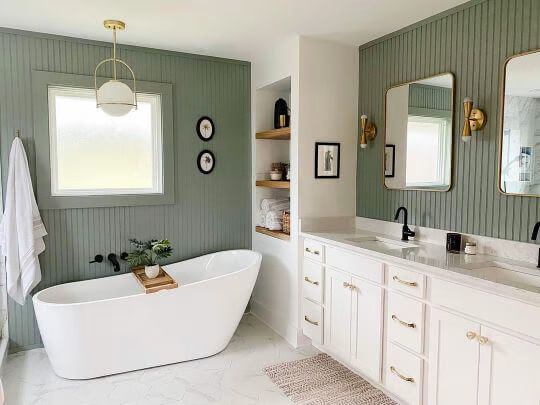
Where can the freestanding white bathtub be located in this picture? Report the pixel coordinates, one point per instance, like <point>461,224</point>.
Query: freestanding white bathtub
<point>109,325</point>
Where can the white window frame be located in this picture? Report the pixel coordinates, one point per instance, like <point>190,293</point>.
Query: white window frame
<point>443,171</point>
<point>41,81</point>
<point>157,146</point>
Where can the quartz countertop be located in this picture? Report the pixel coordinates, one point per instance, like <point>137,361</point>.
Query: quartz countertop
<point>522,282</point>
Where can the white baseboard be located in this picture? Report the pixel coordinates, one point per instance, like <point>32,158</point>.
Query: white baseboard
<point>278,324</point>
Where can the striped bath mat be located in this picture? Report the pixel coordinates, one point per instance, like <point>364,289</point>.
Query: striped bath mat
<point>321,380</point>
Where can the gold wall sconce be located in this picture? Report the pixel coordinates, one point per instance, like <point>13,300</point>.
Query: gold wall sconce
<point>368,131</point>
<point>475,119</point>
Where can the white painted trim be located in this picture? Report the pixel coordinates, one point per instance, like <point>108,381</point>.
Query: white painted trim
<point>157,144</point>
<point>278,324</point>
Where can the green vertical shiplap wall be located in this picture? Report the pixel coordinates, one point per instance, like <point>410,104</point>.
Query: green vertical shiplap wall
<point>211,212</point>
<point>473,42</point>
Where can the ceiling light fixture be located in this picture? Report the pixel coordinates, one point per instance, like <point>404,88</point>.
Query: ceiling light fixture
<point>115,97</point>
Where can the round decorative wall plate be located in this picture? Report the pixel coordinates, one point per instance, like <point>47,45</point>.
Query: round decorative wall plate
<point>205,128</point>
<point>206,161</point>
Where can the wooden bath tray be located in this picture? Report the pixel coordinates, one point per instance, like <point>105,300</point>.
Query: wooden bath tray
<point>151,285</point>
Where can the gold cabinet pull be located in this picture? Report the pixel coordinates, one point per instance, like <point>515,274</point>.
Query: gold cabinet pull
<point>310,321</point>
<point>349,286</point>
<point>408,283</point>
<point>394,371</point>
<point>408,325</point>
<point>482,340</point>
<point>471,335</point>
<point>315,252</point>
<point>311,281</point>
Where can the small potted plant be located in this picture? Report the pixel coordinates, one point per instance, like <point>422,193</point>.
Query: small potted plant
<point>148,254</point>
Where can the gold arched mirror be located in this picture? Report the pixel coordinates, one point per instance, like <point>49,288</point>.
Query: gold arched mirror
<point>519,138</point>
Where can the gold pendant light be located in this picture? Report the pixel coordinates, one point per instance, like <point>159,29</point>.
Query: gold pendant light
<point>115,97</point>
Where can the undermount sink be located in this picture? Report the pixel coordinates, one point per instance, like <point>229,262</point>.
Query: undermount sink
<point>505,274</point>
<point>381,243</point>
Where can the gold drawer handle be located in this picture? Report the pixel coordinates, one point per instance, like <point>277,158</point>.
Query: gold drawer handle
<point>408,325</point>
<point>349,286</point>
<point>408,379</point>
<point>482,340</point>
<point>471,335</point>
<point>310,321</point>
<point>311,281</point>
<point>315,252</point>
<point>409,283</point>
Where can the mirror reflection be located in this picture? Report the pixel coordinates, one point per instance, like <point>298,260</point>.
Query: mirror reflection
<point>520,144</point>
<point>418,139</point>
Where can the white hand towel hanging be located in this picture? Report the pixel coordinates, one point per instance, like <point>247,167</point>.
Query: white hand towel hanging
<point>21,230</point>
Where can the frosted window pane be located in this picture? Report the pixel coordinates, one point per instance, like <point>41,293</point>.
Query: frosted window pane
<point>93,153</point>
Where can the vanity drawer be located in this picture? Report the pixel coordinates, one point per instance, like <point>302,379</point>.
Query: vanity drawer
<point>406,321</point>
<point>502,311</point>
<point>312,322</point>
<point>403,374</point>
<point>355,264</point>
<point>313,250</point>
<point>407,281</point>
<point>313,279</point>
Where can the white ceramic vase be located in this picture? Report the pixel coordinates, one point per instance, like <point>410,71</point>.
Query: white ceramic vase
<point>151,271</point>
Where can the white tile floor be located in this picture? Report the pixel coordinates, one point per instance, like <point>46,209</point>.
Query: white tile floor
<point>231,377</point>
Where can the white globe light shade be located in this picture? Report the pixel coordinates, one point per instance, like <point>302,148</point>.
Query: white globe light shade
<point>466,138</point>
<point>115,98</point>
<point>363,145</point>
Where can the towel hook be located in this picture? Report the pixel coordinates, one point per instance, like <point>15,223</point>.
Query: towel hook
<point>18,132</point>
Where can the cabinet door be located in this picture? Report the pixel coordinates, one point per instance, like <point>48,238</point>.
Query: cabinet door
<point>337,314</point>
<point>509,370</point>
<point>454,354</point>
<point>367,318</point>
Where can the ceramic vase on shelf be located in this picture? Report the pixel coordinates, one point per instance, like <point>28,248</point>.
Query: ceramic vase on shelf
<point>151,271</point>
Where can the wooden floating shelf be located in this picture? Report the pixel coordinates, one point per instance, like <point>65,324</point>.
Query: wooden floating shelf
<point>274,184</point>
<point>278,134</point>
<point>274,234</point>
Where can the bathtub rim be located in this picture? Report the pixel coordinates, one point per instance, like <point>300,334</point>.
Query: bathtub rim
<point>37,301</point>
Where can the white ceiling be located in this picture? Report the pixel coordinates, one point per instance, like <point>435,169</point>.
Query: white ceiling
<point>229,28</point>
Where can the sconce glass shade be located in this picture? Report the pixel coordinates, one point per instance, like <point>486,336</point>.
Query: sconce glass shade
<point>116,98</point>
<point>363,145</point>
<point>466,138</point>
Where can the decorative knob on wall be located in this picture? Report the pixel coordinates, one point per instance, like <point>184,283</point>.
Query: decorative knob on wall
<point>475,119</point>
<point>367,131</point>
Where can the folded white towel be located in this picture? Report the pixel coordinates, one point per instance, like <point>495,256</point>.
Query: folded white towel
<point>269,204</point>
<point>21,229</point>
<point>262,219</point>
<point>274,220</point>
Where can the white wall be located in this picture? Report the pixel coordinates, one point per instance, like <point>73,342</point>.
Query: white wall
<point>328,111</point>
<point>396,133</point>
<point>324,107</point>
<point>275,298</point>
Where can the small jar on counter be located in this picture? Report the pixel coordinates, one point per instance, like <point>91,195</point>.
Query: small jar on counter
<point>470,248</point>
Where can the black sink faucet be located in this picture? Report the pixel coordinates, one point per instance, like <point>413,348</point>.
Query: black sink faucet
<point>112,258</point>
<point>533,237</point>
<point>406,232</point>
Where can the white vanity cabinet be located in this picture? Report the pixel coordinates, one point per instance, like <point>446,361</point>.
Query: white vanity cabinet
<point>421,337</point>
<point>338,312</point>
<point>472,364</point>
<point>353,321</point>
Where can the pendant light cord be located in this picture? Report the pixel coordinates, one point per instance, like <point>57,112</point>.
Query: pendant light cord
<point>114,53</point>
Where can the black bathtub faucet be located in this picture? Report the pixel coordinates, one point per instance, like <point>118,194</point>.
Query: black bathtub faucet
<point>112,258</point>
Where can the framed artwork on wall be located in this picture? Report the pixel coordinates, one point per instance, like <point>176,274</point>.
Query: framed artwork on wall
<point>327,160</point>
<point>389,160</point>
